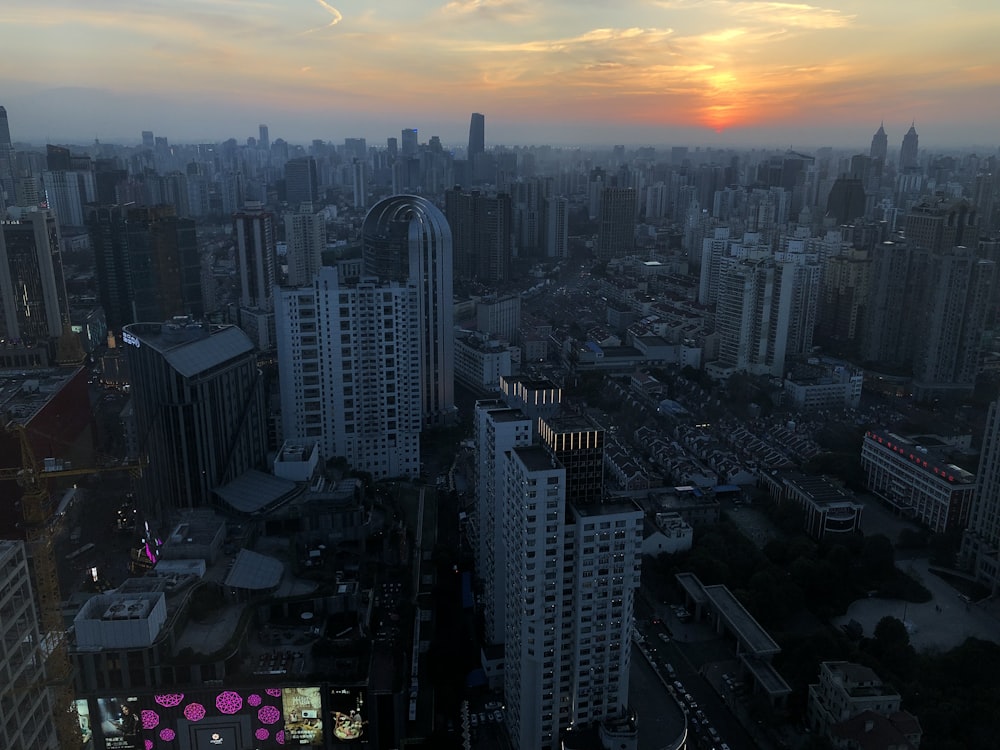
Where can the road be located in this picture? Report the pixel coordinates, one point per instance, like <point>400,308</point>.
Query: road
<point>694,648</point>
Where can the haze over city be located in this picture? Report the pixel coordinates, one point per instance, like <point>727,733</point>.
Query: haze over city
<point>636,72</point>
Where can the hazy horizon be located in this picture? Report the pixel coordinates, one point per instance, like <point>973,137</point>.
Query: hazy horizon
<point>725,73</point>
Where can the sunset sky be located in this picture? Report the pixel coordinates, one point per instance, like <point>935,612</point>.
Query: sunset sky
<point>715,72</point>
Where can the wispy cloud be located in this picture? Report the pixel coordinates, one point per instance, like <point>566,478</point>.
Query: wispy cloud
<point>492,10</point>
<point>336,14</point>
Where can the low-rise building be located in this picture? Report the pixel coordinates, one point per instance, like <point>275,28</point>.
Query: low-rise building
<point>669,533</point>
<point>829,508</point>
<point>820,385</point>
<point>481,361</point>
<point>853,708</point>
<point>914,474</point>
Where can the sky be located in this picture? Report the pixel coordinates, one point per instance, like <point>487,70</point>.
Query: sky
<point>562,72</point>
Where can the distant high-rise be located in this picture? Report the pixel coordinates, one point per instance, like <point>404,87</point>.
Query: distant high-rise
<point>164,264</point>
<point>392,146</point>
<point>765,311</point>
<point>200,410</point>
<point>65,196</point>
<point>409,143</point>
<point>846,201</point>
<point>4,128</point>
<point>301,182</point>
<point>148,263</point>
<point>7,171</point>
<point>950,319</point>
<point>555,213</point>
<point>33,301</point>
<point>406,238</point>
<point>305,238</point>
<point>880,144</point>
<point>477,136</point>
<point>148,141</point>
<point>616,230</point>
<point>908,151</point>
<point>264,139</point>
<point>109,241</point>
<point>482,235</point>
<point>255,256</point>
<point>359,182</point>
<point>349,370</point>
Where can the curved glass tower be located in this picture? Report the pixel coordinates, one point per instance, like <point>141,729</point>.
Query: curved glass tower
<point>406,238</point>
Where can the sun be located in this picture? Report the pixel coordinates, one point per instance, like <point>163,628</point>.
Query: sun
<point>722,106</point>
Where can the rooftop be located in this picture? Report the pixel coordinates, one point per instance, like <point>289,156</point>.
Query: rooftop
<point>23,393</point>
<point>190,347</point>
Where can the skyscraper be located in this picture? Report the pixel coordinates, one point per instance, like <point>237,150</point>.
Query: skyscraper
<point>264,139</point>
<point>498,429</point>
<point>766,309</point>
<point>148,140</point>
<point>359,182</point>
<point>33,301</point>
<point>980,552</point>
<point>21,652</point>
<point>7,171</point>
<point>908,151</point>
<point>482,235</point>
<point>109,241</point>
<point>305,238</point>
<point>477,136</point>
<point>572,569</point>
<point>555,213</point>
<point>301,181</point>
<point>200,410</point>
<point>616,230</point>
<point>255,255</point>
<point>349,369</point>
<point>950,318</point>
<point>880,144</point>
<point>408,143</point>
<point>164,264</point>
<point>406,238</point>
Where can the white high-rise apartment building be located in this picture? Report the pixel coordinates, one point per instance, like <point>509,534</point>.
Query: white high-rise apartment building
<point>499,429</point>
<point>305,236</point>
<point>407,239</point>
<point>765,310</point>
<point>25,703</point>
<point>572,572</point>
<point>349,368</point>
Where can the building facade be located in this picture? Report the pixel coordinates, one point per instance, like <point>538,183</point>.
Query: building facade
<point>498,429</point>
<point>407,239</point>
<point>571,577</point>
<point>27,711</point>
<point>980,553</point>
<point>914,476</point>
<point>349,373</point>
<point>33,302</point>
<point>200,410</point>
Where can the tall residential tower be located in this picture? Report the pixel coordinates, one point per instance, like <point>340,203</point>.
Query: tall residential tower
<point>406,239</point>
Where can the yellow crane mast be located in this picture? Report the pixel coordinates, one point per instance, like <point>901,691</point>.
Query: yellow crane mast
<point>41,527</point>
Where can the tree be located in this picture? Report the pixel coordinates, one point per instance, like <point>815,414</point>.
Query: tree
<point>877,557</point>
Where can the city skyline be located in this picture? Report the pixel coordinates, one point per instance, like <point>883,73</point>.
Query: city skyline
<point>704,72</point>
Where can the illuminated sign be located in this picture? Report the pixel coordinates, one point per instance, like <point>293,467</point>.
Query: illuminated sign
<point>303,711</point>
<point>130,339</point>
<point>347,708</point>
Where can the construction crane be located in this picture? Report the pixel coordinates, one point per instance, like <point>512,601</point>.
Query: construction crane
<point>41,527</point>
